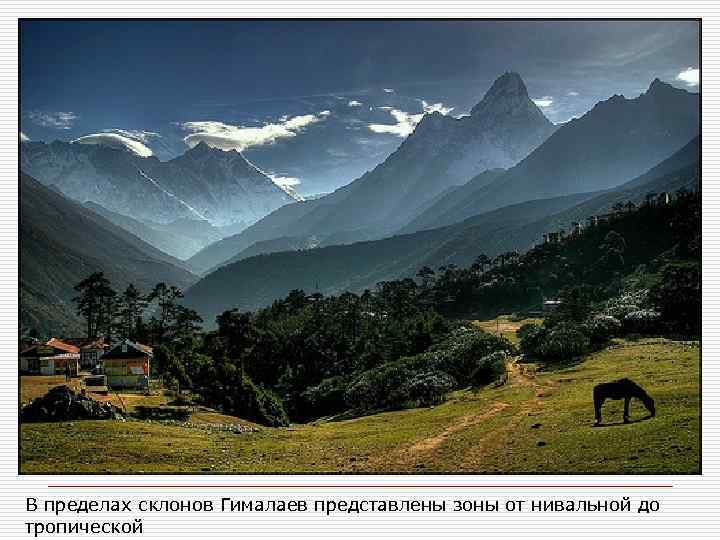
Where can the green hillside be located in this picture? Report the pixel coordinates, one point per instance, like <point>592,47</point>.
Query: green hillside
<point>62,242</point>
<point>541,424</point>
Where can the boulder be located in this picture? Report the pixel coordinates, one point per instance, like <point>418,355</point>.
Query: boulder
<point>61,404</point>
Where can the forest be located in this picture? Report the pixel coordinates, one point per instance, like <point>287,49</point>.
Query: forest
<point>408,342</point>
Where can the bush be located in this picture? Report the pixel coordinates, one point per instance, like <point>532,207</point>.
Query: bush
<point>642,321</point>
<point>601,328</point>
<point>563,342</point>
<point>531,336</point>
<point>171,368</point>
<point>628,302</point>
<point>261,405</point>
<point>325,398</point>
<point>380,388</point>
<point>391,385</point>
<point>460,354</point>
<point>243,398</point>
<point>429,388</point>
<point>489,370</point>
<point>677,298</point>
<point>525,330</point>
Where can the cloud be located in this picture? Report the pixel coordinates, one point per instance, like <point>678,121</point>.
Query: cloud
<point>690,76</point>
<point>572,93</point>
<point>388,90</point>
<point>544,101</point>
<point>404,126</point>
<point>436,107</point>
<point>23,137</point>
<point>136,134</point>
<point>134,141</point>
<point>405,122</point>
<point>230,137</point>
<point>354,103</point>
<point>56,120</point>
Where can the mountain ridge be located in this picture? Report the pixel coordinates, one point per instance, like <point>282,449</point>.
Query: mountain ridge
<point>61,242</point>
<point>441,152</point>
<point>258,280</point>
<point>204,183</point>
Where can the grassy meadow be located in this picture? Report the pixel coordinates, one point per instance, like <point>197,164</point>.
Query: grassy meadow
<point>536,423</point>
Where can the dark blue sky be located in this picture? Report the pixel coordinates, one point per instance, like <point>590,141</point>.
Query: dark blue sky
<point>83,77</point>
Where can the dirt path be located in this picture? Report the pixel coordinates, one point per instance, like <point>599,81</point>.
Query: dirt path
<point>431,443</point>
<point>518,375</point>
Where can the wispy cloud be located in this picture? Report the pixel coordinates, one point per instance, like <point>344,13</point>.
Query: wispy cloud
<point>57,120</point>
<point>405,122</point>
<point>23,137</point>
<point>354,103</point>
<point>573,93</point>
<point>544,101</point>
<point>231,137</point>
<point>121,138</point>
<point>436,107</point>
<point>690,76</point>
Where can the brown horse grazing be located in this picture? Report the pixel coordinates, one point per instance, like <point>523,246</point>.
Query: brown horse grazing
<point>622,389</point>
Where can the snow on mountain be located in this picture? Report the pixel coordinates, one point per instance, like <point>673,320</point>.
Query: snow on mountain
<point>220,187</point>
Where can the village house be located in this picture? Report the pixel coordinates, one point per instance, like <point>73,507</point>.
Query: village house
<point>127,365</point>
<point>50,358</point>
<point>551,305</point>
<point>91,352</point>
<point>554,237</point>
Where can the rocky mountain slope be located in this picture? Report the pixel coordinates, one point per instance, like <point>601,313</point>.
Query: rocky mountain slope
<point>62,242</point>
<point>206,184</point>
<point>441,153</point>
<point>256,281</point>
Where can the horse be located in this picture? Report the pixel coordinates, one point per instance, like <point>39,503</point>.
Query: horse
<point>621,389</point>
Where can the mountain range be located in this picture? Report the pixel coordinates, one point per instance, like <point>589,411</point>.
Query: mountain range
<point>256,281</point>
<point>441,153</point>
<point>62,242</point>
<point>491,181</point>
<point>617,140</point>
<point>206,184</point>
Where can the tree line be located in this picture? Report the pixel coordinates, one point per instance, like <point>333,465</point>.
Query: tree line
<point>118,315</point>
<point>311,355</point>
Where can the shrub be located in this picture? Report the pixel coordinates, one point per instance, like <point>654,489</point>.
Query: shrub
<point>327,397</point>
<point>642,321</point>
<point>525,329</point>
<point>490,369</point>
<point>460,354</point>
<point>601,328</point>
<point>379,388</point>
<point>458,357</point>
<point>261,405</point>
<point>243,398</point>
<point>171,368</point>
<point>677,297</point>
<point>429,388</point>
<point>531,336</point>
<point>563,342</point>
<point>628,302</point>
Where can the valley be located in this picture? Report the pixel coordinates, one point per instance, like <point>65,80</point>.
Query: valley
<point>450,310</point>
<point>542,424</point>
